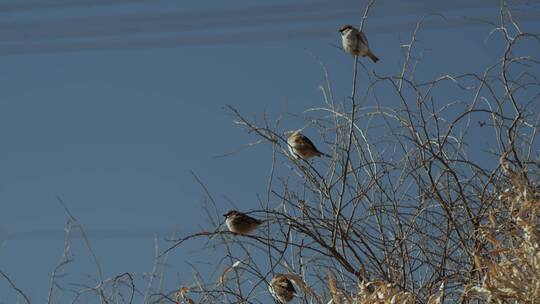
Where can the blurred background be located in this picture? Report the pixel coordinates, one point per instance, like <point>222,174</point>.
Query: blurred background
<point>112,105</point>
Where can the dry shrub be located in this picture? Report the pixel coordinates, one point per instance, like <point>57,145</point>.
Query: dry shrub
<point>379,292</point>
<point>511,266</point>
<point>408,202</point>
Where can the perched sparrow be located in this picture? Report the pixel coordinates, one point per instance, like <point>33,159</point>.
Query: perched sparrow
<point>355,42</point>
<point>240,223</point>
<point>282,288</point>
<point>301,147</point>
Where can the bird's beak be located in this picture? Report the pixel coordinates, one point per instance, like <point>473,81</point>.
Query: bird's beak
<point>225,215</point>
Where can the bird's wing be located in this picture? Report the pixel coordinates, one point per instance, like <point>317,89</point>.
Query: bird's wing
<point>362,37</point>
<point>305,143</point>
<point>251,220</point>
<point>285,283</point>
<point>290,286</point>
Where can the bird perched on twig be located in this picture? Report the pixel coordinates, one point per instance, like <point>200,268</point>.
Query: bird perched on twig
<point>240,223</point>
<point>301,147</point>
<point>355,42</point>
<point>281,288</point>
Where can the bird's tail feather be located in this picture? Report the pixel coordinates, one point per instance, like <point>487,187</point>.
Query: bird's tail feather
<point>373,57</point>
<point>324,154</point>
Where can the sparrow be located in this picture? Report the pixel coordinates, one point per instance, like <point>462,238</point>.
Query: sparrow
<point>301,147</point>
<point>355,42</point>
<point>281,288</point>
<point>240,223</point>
